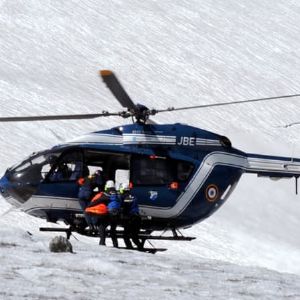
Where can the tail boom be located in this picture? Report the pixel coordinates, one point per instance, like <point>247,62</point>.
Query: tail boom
<point>273,166</point>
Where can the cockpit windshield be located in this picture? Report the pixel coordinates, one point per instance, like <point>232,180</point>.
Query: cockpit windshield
<point>37,158</point>
<point>35,167</point>
<point>26,176</point>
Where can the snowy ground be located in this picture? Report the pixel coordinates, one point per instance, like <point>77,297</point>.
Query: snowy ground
<point>107,273</point>
<point>170,53</point>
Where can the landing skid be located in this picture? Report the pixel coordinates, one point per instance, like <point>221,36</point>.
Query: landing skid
<point>143,236</point>
<point>147,250</point>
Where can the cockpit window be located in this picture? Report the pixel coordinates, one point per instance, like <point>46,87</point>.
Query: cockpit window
<point>30,170</point>
<point>50,161</point>
<point>23,166</point>
<point>35,159</point>
<point>69,167</point>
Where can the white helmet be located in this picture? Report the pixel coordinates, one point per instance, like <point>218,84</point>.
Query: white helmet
<point>109,185</point>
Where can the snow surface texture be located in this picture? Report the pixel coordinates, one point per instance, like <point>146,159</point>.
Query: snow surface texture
<point>166,53</point>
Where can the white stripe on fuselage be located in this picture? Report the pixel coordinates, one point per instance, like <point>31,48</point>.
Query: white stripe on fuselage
<point>137,138</point>
<point>91,138</point>
<point>49,202</point>
<point>130,138</point>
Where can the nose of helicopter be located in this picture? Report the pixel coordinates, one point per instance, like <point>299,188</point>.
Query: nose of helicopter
<point>7,191</point>
<point>4,190</point>
<point>3,185</point>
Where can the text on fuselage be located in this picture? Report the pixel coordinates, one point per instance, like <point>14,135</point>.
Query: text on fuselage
<point>187,141</point>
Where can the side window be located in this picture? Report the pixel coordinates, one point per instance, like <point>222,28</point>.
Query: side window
<point>147,171</point>
<point>68,168</point>
<point>159,171</point>
<point>51,159</point>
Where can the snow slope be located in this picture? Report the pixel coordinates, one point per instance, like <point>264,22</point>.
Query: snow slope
<point>166,53</point>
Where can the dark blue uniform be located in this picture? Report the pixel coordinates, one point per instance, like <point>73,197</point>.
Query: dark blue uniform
<point>132,220</point>
<point>87,186</point>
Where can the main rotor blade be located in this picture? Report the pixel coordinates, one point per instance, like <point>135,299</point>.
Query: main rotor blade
<point>58,117</point>
<point>116,88</point>
<point>227,103</point>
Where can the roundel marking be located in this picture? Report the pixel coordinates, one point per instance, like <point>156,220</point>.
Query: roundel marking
<point>212,193</point>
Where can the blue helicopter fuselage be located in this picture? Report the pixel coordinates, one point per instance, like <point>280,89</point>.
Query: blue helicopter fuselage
<point>179,174</point>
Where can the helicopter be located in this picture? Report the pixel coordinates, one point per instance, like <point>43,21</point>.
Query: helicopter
<point>180,174</point>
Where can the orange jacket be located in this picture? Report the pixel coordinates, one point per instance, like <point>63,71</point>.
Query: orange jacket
<point>98,205</point>
<point>100,209</point>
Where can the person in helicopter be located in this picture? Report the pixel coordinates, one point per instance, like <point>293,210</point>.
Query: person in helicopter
<point>130,217</point>
<point>105,207</point>
<point>80,170</point>
<point>87,185</point>
<point>61,172</point>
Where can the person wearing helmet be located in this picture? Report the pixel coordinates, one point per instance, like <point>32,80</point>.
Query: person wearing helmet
<point>114,204</point>
<point>114,208</point>
<point>131,217</point>
<point>103,207</point>
<point>109,186</point>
